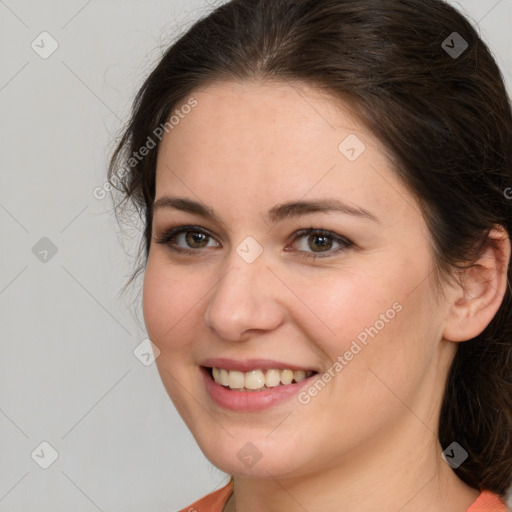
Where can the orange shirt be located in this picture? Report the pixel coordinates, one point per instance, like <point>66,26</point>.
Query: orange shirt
<point>215,502</point>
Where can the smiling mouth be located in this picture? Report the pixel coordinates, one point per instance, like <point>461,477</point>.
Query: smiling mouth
<point>257,380</point>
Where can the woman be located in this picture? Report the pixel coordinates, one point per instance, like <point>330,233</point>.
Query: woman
<point>327,253</point>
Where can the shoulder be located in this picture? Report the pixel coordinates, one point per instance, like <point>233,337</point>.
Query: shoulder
<point>213,502</point>
<point>488,501</point>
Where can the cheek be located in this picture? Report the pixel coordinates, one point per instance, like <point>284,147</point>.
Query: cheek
<point>380,350</point>
<point>155,296</point>
<point>340,306</point>
<point>167,303</point>
<point>168,309</point>
<point>370,321</point>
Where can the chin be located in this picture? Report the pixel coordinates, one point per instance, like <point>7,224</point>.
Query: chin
<point>245,459</point>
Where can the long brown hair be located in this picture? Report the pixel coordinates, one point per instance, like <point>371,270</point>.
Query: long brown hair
<point>436,100</point>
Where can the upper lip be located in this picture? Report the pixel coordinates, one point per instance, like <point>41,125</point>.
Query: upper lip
<point>247,365</point>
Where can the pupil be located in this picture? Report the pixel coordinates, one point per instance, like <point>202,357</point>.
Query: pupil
<point>196,237</point>
<point>321,237</point>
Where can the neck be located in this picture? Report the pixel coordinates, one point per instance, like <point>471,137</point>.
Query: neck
<point>405,477</point>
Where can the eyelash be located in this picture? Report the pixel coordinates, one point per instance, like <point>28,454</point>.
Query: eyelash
<point>168,235</point>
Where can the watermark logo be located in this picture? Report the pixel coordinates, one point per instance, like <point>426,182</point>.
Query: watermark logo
<point>249,454</point>
<point>454,455</point>
<point>249,249</point>
<point>146,352</point>
<point>352,147</point>
<point>44,455</point>
<point>44,45</point>
<point>454,45</point>
<point>44,250</point>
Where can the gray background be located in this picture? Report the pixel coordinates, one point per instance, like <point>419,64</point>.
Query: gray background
<point>69,374</point>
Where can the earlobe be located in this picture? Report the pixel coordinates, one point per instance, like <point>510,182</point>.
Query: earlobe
<point>482,288</point>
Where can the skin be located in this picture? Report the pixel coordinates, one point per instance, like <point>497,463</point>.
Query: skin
<point>368,440</point>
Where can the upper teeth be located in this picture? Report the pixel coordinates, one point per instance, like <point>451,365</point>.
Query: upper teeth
<point>257,379</point>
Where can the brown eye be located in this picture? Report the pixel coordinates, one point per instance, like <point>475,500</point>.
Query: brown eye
<point>320,242</point>
<point>192,238</point>
<point>186,239</point>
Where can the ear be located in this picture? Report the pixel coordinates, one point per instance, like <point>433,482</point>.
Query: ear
<point>483,285</point>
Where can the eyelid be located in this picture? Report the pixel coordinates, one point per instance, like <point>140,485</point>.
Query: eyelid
<point>170,233</point>
<point>343,241</point>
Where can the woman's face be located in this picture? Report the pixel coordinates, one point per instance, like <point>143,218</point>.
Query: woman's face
<point>362,314</point>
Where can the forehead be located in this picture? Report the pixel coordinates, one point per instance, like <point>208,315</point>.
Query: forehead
<point>269,142</point>
<point>271,112</point>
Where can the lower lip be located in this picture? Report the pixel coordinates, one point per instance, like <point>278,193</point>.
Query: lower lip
<point>250,400</point>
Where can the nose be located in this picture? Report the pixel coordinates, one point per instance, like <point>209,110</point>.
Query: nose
<point>245,299</point>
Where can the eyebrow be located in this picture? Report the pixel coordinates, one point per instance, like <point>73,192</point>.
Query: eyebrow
<point>276,214</point>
